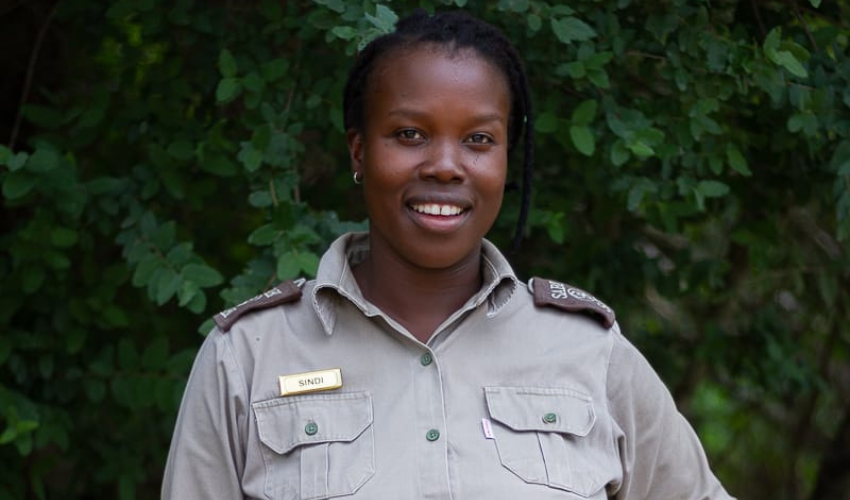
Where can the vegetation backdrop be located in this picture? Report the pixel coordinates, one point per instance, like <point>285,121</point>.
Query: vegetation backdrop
<point>165,159</point>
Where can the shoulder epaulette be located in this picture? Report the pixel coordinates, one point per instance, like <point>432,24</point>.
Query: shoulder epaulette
<point>569,298</point>
<point>288,291</point>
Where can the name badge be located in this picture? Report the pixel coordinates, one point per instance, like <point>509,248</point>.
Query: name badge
<point>301,383</point>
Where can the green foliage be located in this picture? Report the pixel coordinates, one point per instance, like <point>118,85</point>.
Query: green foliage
<point>693,169</point>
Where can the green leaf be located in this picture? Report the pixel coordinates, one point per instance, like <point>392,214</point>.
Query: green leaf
<point>308,262</point>
<point>270,10</point>
<point>260,199</point>
<point>181,150</point>
<point>575,69</point>
<point>344,32</point>
<point>264,235</point>
<point>712,189</point>
<point>534,22</point>
<point>572,29</point>
<point>598,77</point>
<point>63,237</point>
<point>18,184</point>
<point>128,356</point>
<point>335,5</point>
<point>737,161</point>
<point>168,284</point>
<point>772,40</point>
<point>155,355</point>
<point>274,70</point>
<point>253,83</point>
<point>33,279</point>
<point>641,149</point>
<point>95,390</point>
<point>24,445</point>
<point>638,191</point>
<point>583,139</point>
<point>250,157</point>
<point>807,122</point>
<point>17,161</point>
<point>42,116</point>
<point>43,160</point>
<point>620,154</point>
<point>5,155</point>
<point>788,61</point>
<point>384,19</point>
<point>220,165</point>
<point>227,64</point>
<point>228,90</point>
<point>546,123</point>
<point>9,435</point>
<point>583,113</point>
<point>145,270</point>
<point>203,275</point>
<point>288,266</point>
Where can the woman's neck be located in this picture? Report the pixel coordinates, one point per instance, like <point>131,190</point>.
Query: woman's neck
<point>418,299</point>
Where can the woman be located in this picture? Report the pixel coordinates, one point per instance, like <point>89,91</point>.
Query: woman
<point>417,365</point>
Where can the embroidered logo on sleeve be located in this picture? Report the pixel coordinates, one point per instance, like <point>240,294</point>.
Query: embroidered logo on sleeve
<point>285,292</point>
<point>572,299</point>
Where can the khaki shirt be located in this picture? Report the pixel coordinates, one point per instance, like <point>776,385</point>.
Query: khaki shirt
<point>506,401</point>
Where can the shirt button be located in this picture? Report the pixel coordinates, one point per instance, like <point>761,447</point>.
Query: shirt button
<point>426,359</point>
<point>432,435</point>
<point>550,418</point>
<point>311,428</point>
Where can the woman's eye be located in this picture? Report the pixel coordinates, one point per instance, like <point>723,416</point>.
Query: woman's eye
<point>480,139</point>
<point>409,134</point>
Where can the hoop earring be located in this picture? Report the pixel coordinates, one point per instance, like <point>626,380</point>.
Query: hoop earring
<point>358,177</point>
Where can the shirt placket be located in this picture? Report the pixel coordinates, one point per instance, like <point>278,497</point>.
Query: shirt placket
<point>431,427</point>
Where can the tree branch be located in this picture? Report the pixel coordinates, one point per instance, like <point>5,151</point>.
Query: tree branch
<point>25,91</point>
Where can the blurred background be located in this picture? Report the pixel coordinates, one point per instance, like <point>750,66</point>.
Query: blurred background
<point>162,160</point>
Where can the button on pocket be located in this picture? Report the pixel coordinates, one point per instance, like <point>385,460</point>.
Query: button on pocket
<point>316,446</point>
<point>541,436</point>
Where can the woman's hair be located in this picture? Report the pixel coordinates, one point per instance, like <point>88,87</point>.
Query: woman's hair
<point>456,31</point>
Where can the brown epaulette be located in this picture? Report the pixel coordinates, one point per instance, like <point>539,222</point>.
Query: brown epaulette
<point>569,298</point>
<point>288,291</point>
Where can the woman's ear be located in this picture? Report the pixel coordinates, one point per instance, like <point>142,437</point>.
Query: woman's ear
<point>355,150</point>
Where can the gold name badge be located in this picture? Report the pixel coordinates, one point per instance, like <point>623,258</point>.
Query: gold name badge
<point>301,383</point>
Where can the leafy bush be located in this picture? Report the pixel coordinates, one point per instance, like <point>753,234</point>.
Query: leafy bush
<point>170,159</point>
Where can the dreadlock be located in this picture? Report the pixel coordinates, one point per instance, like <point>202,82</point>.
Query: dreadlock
<point>456,31</point>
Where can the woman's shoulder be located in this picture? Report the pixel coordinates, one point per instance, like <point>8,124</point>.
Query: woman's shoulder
<point>564,297</point>
<point>283,293</point>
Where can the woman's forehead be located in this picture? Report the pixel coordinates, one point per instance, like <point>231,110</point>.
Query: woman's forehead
<point>440,67</point>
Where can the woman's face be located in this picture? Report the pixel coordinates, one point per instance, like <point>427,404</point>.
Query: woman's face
<point>433,154</point>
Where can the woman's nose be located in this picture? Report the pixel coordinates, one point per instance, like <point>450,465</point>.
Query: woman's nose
<point>444,162</point>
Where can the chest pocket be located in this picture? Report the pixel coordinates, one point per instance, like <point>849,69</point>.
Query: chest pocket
<point>542,436</point>
<point>316,446</point>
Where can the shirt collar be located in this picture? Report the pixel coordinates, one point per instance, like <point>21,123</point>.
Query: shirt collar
<point>335,281</point>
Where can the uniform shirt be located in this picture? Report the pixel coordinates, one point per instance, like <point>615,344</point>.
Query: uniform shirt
<point>505,401</point>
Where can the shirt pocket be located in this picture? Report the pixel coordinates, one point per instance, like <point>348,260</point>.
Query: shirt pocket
<point>316,446</point>
<point>541,435</point>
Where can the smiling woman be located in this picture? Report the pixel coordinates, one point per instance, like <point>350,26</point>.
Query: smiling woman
<point>450,377</point>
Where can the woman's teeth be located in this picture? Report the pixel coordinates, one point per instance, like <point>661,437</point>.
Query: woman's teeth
<point>435,209</point>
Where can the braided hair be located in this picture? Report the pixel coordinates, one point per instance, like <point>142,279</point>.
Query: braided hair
<point>456,31</point>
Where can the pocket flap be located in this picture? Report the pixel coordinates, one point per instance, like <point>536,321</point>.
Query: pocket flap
<point>285,423</point>
<point>541,409</point>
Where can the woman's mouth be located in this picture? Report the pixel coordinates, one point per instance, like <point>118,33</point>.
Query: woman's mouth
<point>437,209</point>
<point>442,218</point>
